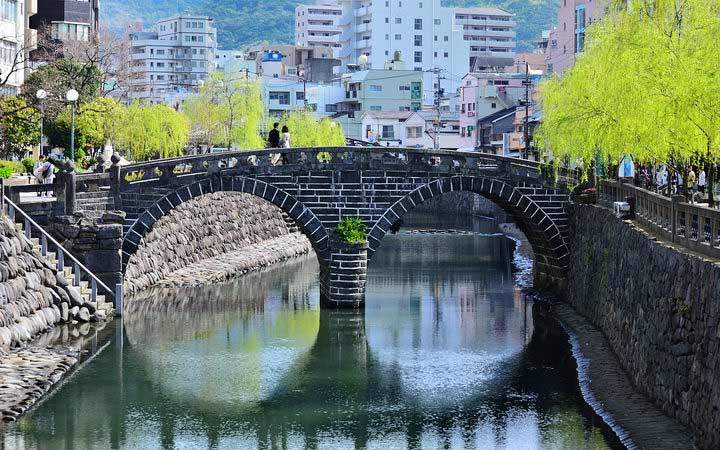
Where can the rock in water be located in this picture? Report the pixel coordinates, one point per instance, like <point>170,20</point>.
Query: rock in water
<point>84,315</point>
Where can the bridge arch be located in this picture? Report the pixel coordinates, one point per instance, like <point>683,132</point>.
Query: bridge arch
<point>305,219</point>
<point>546,238</point>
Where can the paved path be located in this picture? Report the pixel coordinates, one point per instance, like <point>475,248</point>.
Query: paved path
<point>639,423</point>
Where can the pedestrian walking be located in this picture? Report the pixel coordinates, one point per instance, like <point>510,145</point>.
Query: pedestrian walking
<point>44,174</point>
<point>285,137</point>
<point>702,181</point>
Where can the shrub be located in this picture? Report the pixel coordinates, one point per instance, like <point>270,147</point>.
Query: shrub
<point>5,172</point>
<point>352,230</point>
<point>13,166</point>
<point>28,164</point>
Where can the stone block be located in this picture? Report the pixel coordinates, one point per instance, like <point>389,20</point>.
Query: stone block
<point>103,261</point>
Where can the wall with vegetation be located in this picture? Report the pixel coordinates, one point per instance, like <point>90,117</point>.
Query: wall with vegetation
<point>660,310</point>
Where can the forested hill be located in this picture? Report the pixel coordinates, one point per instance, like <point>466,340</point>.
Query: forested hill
<point>243,22</point>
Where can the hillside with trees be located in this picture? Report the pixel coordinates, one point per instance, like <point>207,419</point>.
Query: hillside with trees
<point>243,22</point>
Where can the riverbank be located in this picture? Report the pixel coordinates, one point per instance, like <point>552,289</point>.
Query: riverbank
<point>239,262</point>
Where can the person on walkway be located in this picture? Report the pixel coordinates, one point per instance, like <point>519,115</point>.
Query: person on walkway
<point>690,183</point>
<point>274,136</point>
<point>44,173</point>
<point>702,181</point>
<point>36,172</point>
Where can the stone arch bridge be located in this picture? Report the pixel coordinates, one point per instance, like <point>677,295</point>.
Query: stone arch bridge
<point>318,187</point>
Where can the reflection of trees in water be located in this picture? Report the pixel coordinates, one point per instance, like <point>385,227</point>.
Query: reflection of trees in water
<point>169,314</point>
<point>337,389</point>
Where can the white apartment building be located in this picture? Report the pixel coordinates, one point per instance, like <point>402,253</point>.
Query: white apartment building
<point>422,31</point>
<point>426,35</point>
<point>490,33</point>
<point>13,24</point>
<point>318,25</point>
<point>225,58</point>
<point>169,62</point>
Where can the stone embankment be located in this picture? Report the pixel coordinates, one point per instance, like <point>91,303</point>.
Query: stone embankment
<point>211,227</point>
<point>27,373</point>
<point>34,301</point>
<point>659,308</point>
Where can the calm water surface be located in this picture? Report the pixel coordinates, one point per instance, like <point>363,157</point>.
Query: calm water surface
<point>447,354</point>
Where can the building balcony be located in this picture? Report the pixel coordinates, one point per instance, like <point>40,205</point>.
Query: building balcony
<point>363,43</point>
<point>362,11</point>
<point>324,39</point>
<point>363,28</point>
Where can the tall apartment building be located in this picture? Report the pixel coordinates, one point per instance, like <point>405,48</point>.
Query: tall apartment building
<point>567,40</point>
<point>169,62</point>
<point>426,35</point>
<point>68,20</point>
<point>15,40</point>
<point>491,35</point>
<point>318,25</point>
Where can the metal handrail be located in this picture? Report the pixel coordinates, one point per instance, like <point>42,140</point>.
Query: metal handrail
<point>61,251</point>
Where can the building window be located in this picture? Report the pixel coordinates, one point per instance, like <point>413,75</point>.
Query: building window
<point>418,40</point>
<point>437,21</point>
<point>435,54</point>
<point>398,37</point>
<point>7,52</point>
<point>445,54</point>
<point>283,98</point>
<point>387,20</point>
<point>330,107</point>
<point>375,108</point>
<point>445,38</point>
<point>387,37</point>
<point>413,132</point>
<point>418,24</point>
<point>8,10</point>
<point>418,57</point>
<point>398,20</point>
<point>579,28</point>
<point>388,132</point>
<point>375,88</point>
<point>300,95</point>
<point>415,106</point>
<point>493,105</point>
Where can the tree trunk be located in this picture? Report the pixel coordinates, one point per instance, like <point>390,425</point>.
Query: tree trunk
<point>710,182</point>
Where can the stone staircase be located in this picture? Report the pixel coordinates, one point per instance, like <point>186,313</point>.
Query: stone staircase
<point>82,285</point>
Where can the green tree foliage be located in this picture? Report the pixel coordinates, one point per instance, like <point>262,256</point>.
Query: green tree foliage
<point>19,127</point>
<point>646,85</point>
<point>306,131</point>
<point>57,78</point>
<point>227,112</point>
<point>152,131</point>
<point>96,122</point>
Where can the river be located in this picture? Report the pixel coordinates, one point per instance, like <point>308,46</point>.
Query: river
<point>447,354</point>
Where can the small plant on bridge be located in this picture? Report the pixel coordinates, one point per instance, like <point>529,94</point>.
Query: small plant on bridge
<point>352,230</point>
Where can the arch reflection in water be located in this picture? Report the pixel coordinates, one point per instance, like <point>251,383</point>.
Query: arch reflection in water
<point>446,354</point>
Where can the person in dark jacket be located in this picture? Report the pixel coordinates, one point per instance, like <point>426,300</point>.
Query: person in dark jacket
<point>274,136</point>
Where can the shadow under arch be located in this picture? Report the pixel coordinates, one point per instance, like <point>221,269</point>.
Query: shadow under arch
<point>548,243</point>
<point>305,219</point>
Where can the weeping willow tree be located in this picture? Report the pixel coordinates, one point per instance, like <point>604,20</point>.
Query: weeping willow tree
<point>153,131</point>
<point>227,111</point>
<point>646,86</point>
<point>306,131</point>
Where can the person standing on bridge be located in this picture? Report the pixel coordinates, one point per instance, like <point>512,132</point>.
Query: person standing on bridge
<point>274,137</point>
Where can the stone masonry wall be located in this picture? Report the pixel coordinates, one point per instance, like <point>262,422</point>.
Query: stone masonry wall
<point>204,227</point>
<point>660,309</point>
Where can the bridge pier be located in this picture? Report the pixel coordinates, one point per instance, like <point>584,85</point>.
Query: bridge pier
<point>343,275</point>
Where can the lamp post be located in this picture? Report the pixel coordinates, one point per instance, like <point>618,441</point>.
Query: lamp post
<point>40,95</point>
<point>72,96</point>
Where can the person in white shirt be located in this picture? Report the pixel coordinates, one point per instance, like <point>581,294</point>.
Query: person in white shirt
<point>702,181</point>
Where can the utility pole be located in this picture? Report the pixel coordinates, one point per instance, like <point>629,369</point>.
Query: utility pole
<point>526,134</point>
<point>438,96</point>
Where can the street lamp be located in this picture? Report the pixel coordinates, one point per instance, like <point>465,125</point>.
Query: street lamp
<point>40,95</point>
<point>72,96</point>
